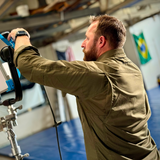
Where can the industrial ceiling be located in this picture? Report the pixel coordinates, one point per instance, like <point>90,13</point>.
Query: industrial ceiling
<point>51,20</point>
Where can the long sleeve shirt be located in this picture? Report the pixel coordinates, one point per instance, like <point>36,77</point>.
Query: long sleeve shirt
<point>111,100</point>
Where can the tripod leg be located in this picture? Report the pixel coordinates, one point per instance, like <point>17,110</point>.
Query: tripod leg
<point>14,145</point>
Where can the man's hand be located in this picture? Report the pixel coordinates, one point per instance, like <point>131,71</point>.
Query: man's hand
<point>13,33</point>
<point>20,40</point>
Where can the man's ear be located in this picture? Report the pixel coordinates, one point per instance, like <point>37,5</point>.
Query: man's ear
<point>102,41</point>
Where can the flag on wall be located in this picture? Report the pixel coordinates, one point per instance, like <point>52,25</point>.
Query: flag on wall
<point>142,48</point>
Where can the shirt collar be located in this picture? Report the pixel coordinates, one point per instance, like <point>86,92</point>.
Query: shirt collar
<point>112,53</point>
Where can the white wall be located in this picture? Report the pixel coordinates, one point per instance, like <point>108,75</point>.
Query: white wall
<point>77,50</point>
<point>130,49</point>
<point>151,30</point>
<point>76,47</point>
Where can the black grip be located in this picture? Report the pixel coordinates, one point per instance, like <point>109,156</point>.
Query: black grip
<point>6,54</point>
<point>5,34</point>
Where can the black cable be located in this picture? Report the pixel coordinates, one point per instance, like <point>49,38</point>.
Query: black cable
<point>56,123</point>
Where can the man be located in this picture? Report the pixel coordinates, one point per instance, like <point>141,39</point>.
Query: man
<point>111,99</point>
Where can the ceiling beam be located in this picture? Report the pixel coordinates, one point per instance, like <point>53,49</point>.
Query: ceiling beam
<point>50,31</point>
<point>147,2</point>
<point>63,35</point>
<point>47,19</point>
<point>7,4</point>
<point>52,4</point>
<point>120,5</point>
<point>103,5</point>
<point>108,11</point>
<point>85,24</point>
<point>139,20</point>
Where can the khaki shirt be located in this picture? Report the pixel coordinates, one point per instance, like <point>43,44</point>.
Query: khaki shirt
<point>111,99</point>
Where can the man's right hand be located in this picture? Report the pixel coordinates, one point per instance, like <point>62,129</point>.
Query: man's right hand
<point>20,40</point>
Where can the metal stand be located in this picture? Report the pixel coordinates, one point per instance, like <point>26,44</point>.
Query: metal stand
<point>7,122</point>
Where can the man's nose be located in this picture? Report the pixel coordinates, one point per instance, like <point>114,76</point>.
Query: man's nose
<point>83,44</point>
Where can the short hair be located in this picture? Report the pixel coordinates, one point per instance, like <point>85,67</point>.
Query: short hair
<point>111,28</point>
